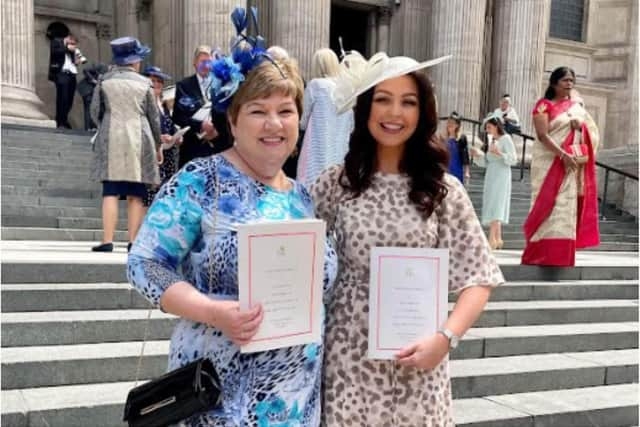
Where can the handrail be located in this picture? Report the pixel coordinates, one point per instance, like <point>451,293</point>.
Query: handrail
<point>524,137</point>
<point>607,169</point>
<point>476,124</point>
<point>616,170</point>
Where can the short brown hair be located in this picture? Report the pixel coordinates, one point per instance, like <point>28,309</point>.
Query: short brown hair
<point>267,78</point>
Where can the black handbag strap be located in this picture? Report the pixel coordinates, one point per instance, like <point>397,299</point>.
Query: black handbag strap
<point>146,326</point>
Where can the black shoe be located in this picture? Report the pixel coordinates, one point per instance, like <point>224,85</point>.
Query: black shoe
<point>129,246</point>
<point>104,247</point>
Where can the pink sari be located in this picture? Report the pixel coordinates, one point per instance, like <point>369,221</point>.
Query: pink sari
<point>564,211</point>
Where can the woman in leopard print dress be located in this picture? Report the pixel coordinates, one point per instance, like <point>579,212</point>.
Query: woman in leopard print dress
<point>393,191</point>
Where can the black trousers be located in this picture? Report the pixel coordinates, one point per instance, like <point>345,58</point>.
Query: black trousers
<point>65,90</point>
<point>88,123</point>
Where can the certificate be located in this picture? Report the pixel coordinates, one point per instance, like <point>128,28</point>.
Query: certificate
<point>408,290</point>
<point>175,137</point>
<point>281,266</point>
<point>203,113</point>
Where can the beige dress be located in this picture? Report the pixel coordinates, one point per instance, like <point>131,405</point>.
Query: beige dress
<point>362,392</point>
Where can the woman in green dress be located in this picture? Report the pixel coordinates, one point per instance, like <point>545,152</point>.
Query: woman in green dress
<point>498,158</point>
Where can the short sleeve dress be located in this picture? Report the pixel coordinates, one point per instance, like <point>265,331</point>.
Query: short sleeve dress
<point>363,392</point>
<point>192,225</point>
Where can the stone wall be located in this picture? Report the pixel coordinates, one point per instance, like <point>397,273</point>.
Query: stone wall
<point>92,23</point>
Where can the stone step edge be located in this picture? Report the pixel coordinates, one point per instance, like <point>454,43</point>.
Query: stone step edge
<point>78,400</point>
<point>476,367</point>
<point>558,407</point>
<point>58,316</point>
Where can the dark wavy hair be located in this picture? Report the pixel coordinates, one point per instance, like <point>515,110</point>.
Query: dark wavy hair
<point>555,77</point>
<point>425,159</point>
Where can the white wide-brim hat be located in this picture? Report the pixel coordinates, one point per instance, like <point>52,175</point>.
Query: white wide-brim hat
<point>357,75</point>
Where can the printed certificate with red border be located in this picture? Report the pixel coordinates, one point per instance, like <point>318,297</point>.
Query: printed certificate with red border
<point>281,266</point>
<point>408,290</point>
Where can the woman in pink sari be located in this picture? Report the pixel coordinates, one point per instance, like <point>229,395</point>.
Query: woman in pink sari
<point>564,210</point>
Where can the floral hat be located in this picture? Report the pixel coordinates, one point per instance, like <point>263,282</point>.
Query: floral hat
<point>246,52</point>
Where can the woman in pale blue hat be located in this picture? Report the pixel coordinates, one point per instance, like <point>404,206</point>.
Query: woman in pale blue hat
<point>125,107</point>
<point>168,152</point>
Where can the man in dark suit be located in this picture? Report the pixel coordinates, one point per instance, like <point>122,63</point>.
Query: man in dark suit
<point>192,93</point>
<point>63,69</point>
<point>85,89</point>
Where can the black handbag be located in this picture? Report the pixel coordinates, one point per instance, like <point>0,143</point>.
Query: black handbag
<point>174,396</point>
<point>178,394</point>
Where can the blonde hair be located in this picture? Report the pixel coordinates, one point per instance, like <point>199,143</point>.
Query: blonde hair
<point>278,52</point>
<point>265,80</point>
<point>201,50</point>
<point>325,64</point>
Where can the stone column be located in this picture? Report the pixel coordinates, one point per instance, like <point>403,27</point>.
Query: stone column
<point>519,35</point>
<point>372,33</point>
<point>20,104</point>
<point>206,22</point>
<point>126,18</point>
<point>300,27</point>
<point>456,27</point>
<point>384,22</point>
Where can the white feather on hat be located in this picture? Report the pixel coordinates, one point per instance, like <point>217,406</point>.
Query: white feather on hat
<point>357,75</point>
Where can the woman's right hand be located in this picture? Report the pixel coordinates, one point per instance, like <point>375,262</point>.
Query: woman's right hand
<point>569,161</point>
<point>238,326</point>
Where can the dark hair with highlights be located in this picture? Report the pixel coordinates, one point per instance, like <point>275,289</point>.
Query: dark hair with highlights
<point>425,159</point>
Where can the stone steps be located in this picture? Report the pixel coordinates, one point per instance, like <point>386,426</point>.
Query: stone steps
<point>102,403</point>
<point>110,269</point>
<point>610,406</point>
<point>55,365</point>
<point>20,190</point>
<point>90,326</point>
<point>114,296</point>
<point>69,234</point>
<point>82,336</point>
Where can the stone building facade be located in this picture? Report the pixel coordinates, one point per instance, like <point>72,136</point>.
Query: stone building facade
<point>498,46</point>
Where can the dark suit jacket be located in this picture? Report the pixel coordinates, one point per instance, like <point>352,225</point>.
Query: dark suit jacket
<point>91,75</point>
<point>56,57</point>
<point>192,146</point>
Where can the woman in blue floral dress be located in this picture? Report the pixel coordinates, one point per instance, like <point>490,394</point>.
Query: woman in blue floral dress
<point>192,224</point>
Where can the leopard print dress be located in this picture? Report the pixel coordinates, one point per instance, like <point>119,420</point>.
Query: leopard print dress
<point>362,392</point>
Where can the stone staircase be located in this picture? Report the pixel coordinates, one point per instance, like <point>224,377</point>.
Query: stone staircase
<point>618,232</point>
<point>555,347</point>
<point>46,190</point>
<point>39,202</point>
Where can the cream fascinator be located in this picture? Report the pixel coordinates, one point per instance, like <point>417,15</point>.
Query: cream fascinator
<point>357,75</point>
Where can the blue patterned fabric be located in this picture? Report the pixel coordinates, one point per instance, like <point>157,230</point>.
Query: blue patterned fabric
<point>277,388</point>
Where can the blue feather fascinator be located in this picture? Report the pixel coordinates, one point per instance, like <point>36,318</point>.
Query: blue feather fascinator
<point>246,52</point>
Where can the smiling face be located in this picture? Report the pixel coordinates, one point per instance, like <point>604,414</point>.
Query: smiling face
<point>265,132</point>
<point>394,111</point>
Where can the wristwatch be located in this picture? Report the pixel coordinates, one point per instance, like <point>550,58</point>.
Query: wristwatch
<point>454,340</point>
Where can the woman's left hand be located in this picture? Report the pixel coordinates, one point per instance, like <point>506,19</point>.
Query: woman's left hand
<point>424,354</point>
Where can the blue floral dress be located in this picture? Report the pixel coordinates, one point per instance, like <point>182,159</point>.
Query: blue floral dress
<point>277,388</point>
